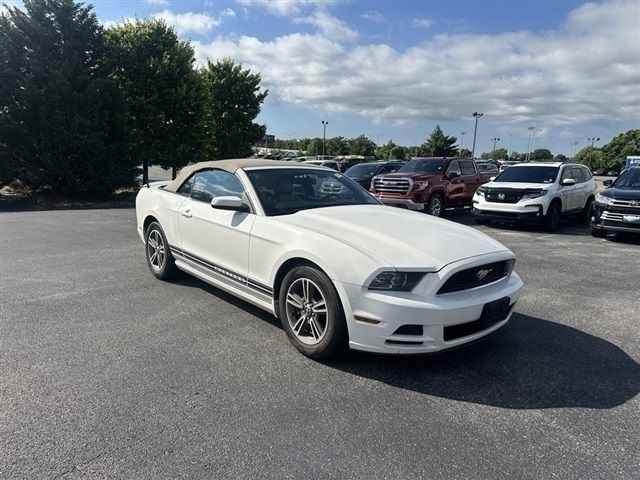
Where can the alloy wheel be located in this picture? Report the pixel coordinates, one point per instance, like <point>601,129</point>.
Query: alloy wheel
<point>436,206</point>
<point>155,250</point>
<point>306,311</point>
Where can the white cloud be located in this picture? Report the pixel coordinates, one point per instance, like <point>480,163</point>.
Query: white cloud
<point>586,72</point>
<point>373,16</point>
<point>285,8</point>
<point>329,26</point>
<point>189,22</point>
<point>157,2</point>
<point>228,12</point>
<point>422,22</point>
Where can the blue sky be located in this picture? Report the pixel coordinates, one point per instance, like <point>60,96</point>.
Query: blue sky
<point>395,69</point>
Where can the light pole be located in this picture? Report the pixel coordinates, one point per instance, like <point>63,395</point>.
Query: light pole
<point>324,134</point>
<point>510,143</point>
<point>476,115</point>
<point>462,134</point>
<point>495,140</point>
<point>531,129</point>
<point>593,140</point>
<point>574,146</point>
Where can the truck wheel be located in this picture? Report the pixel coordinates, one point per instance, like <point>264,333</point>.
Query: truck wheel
<point>552,218</point>
<point>435,205</point>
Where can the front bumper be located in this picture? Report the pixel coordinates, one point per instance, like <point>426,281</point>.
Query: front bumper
<point>611,218</point>
<point>525,212</point>
<point>433,314</point>
<point>403,202</point>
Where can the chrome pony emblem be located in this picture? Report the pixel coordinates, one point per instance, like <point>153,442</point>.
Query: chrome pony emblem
<point>483,273</point>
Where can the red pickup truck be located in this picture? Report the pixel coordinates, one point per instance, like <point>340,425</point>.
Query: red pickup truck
<point>430,184</point>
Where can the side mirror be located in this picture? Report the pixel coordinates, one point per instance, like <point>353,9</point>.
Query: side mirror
<point>492,179</point>
<point>607,183</point>
<point>229,203</point>
<point>567,182</point>
<point>453,174</point>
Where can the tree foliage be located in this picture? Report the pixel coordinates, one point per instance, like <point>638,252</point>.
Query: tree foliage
<point>155,72</point>
<point>440,145</point>
<point>362,145</point>
<point>497,154</point>
<point>541,155</point>
<point>465,153</point>
<point>620,147</point>
<point>232,102</point>
<point>61,116</point>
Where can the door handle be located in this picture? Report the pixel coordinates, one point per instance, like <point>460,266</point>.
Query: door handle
<point>186,213</point>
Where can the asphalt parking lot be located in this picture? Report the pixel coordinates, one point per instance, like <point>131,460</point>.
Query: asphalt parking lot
<point>107,372</point>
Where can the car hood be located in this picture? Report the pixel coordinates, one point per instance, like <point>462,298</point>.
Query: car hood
<point>622,193</point>
<point>516,185</point>
<point>412,175</point>
<point>398,237</point>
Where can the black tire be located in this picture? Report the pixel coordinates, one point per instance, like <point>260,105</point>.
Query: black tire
<point>598,233</point>
<point>163,265</point>
<point>435,205</point>
<point>552,218</point>
<point>299,313</point>
<point>583,216</point>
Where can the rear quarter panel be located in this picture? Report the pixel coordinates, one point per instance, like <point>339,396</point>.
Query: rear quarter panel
<point>163,206</point>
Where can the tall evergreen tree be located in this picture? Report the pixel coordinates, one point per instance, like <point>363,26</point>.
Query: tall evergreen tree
<point>232,102</point>
<point>162,90</point>
<point>61,117</point>
<point>440,145</point>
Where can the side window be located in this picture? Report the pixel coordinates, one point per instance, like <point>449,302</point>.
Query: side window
<point>215,183</point>
<point>187,186</point>
<point>578,175</point>
<point>468,168</point>
<point>586,173</point>
<point>454,167</point>
<point>566,173</point>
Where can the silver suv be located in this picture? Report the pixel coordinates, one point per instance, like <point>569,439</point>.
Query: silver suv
<point>537,193</point>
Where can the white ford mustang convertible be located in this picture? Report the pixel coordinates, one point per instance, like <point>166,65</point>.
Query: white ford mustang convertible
<point>339,268</point>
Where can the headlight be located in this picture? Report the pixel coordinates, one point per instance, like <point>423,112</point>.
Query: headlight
<point>603,200</point>
<point>420,185</point>
<point>396,281</point>
<point>535,194</point>
<point>481,191</point>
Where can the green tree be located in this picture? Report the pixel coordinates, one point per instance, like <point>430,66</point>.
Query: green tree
<point>540,155</point>
<point>497,154</point>
<point>163,92</point>
<point>61,116</point>
<point>440,145</point>
<point>398,152</point>
<point>362,146</point>
<point>314,147</point>
<point>592,157</point>
<point>465,153</point>
<point>232,102</point>
<point>616,151</point>
<point>337,146</point>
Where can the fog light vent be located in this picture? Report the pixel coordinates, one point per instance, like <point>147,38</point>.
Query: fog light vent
<point>409,330</point>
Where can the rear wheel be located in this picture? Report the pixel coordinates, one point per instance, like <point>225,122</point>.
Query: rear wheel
<point>552,218</point>
<point>598,233</point>
<point>311,313</point>
<point>159,258</point>
<point>583,216</point>
<point>435,205</point>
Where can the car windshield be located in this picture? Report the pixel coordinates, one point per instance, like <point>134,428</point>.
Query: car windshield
<point>628,179</point>
<point>529,174</point>
<point>362,170</point>
<point>424,166</point>
<point>284,191</point>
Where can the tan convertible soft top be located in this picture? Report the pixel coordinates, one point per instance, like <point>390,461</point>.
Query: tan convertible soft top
<point>227,165</point>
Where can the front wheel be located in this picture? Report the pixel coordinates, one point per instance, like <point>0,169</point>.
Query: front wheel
<point>598,233</point>
<point>311,313</point>
<point>435,205</point>
<point>552,219</point>
<point>583,216</point>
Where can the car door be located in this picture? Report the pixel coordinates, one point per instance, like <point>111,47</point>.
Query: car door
<point>471,179</point>
<point>216,240</point>
<point>455,186</point>
<point>569,193</point>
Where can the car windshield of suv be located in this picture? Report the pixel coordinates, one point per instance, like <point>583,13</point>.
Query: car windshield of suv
<point>628,179</point>
<point>529,174</point>
<point>424,166</point>
<point>362,170</point>
<point>284,191</point>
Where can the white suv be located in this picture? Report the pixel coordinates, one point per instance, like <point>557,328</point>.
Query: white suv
<point>536,192</point>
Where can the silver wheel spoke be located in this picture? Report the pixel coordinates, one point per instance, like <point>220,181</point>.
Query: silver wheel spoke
<point>153,258</point>
<point>315,331</point>
<point>152,243</point>
<point>299,324</point>
<point>320,307</point>
<point>306,290</point>
<point>295,300</point>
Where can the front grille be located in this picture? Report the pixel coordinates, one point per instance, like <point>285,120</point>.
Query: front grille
<point>476,276</point>
<point>331,188</point>
<point>503,195</point>
<point>400,186</point>
<point>632,204</point>
<point>618,218</point>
